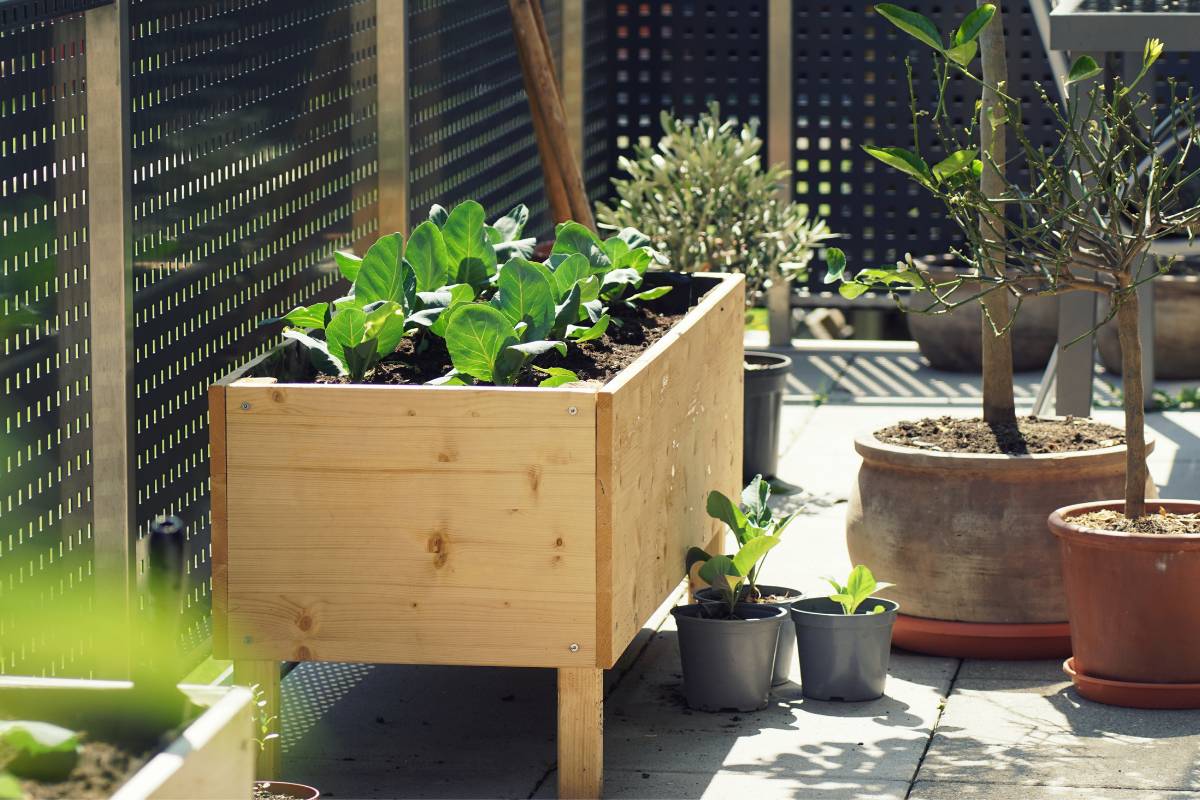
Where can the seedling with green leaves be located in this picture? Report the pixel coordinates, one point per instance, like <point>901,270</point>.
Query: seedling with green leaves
<point>757,531</point>
<point>33,750</point>
<point>858,587</point>
<point>472,286</point>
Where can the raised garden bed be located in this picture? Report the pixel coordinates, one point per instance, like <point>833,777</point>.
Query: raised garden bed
<point>480,525</point>
<point>211,757</point>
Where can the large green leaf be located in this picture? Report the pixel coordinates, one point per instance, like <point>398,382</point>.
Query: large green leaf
<point>566,313</point>
<point>523,294</point>
<point>752,552</point>
<point>360,359</point>
<point>586,333</point>
<point>721,507</point>
<point>318,352</point>
<point>438,215</point>
<point>915,25</point>
<point>963,54</point>
<point>717,567</point>
<point>573,269</point>
<point>511,225</point>
<point>475,336</point>
<point>35,738</point>
<point>974,23</point>
<point>308,316</point>
<point>903,160</point>
<point>557,376</point>
<point>756,501</point>
<point>953,164</point>
<point>348,264</point>
<point>347,329</point>
<point>386,326</point>
<point>649,294</point>
<point>382,275</point>
<point>571,237</point>
<point>471,254</point>
<point>435,313</point>
<point>427,255</point>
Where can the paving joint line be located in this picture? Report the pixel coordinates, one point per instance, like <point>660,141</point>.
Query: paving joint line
<point>933,729</point>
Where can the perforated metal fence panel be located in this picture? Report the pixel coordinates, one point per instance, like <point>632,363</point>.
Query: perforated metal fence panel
<point>254,154</point>
<point>598,161</point>
<point>45,446</point>
<point>678,56</point>
<point>471,134</point>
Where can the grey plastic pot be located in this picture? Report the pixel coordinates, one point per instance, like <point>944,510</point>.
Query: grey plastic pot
<point>785,653</point>
<point>766,380</point>
<point>727,663</point>
<point>843,657</point>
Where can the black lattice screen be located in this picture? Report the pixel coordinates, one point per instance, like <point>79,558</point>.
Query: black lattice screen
<point>678,56</point>
<point>254,150</point>
<point>470,130</point>
<point>45,440</point>
<point>597,142</point>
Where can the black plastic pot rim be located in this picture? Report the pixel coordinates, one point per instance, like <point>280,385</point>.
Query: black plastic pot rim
<point>836,619</point>
<point>708,595</point>
<point>768,362</point>
<point>756,613</point>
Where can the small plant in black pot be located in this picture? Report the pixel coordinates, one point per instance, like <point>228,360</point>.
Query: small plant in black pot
<point>728,648</point>
<point>752,519</point>
<point>845,639</point>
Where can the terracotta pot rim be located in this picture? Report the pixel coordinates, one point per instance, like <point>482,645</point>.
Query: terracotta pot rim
<point>881,452</point>
<point>1062,527</point>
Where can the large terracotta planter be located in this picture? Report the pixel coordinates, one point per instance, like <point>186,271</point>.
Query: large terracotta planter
<point>963,538</point>
<point>1176,341</point>
<point>1133,601</point>
<point>953,341</point>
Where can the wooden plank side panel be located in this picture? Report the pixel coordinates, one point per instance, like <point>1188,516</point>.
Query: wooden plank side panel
<point>411,524</point>
<point>217,494</point>
<point>669,430</point>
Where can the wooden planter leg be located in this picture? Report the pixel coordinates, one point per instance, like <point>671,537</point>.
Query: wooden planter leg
<point>580,733</point>
<point>265,675</point>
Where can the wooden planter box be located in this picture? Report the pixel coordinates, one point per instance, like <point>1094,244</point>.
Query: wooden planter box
<point>474,525</point>
<point>212,759</point>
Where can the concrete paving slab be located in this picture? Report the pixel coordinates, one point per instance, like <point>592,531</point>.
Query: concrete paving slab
<point>649,728</point>
<point>1048,671</point>
<point>1031,733</point>
<point>752,785</point>
<point>926,790</point>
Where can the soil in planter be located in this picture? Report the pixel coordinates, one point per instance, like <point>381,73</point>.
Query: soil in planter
<point>596,361</point>
<point>1162,522</point>
<point>1029,436</point>
<point>102,768</point>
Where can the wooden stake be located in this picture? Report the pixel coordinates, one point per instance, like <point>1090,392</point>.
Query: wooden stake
<point>545,101</point>
<point>556,192</point>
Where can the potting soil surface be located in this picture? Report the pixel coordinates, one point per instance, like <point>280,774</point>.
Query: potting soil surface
<point>101,769</point>
<point>1029,436</point>
<point>1157,521</point>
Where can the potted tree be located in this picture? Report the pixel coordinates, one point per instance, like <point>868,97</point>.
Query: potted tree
<point>727,648</point>
<point>701,195</point>
<point>1085,222</point>
<point>845,639</point>
<point>752,519</point>
<point>982,580</point>
<point>518,452</point>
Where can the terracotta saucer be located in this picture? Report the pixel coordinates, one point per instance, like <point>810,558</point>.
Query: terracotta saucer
<point>1014,642</point>
<point>1134,695</point>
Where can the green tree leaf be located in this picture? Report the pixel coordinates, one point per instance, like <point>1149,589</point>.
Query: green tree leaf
<point>915,25</point>
<point>525,295</point>
<point>953,164</point>
<point>903,160</point>
<point>835,265</point>
<point>1083,68</point>
<point>475,337</point>
<point>427,255</point>
<point>852,290</point>
<point>963,54</point>
<point>974,23</point>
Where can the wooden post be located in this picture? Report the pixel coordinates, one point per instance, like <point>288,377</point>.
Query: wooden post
<point>110,287</point>
<point>580,733</point>
<point>779,149</point>
<point>574,33</point>
<point>392,59</point>
<point>266,676</point>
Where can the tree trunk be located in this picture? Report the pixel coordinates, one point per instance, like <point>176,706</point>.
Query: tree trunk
<point>998,402</point>
<point>1136,472</point>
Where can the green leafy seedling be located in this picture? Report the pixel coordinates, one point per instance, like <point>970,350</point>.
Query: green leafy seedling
<point>858,587</point>
<point>38,750</point>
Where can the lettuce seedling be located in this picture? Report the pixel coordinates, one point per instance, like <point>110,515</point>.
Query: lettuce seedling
<point>729,576</point>
<point>751,520</point>
<point>35,751</point>
<point>858,587</point>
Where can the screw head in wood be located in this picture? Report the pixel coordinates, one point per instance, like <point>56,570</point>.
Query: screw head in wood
<point>572,411</point>
<point>245,406</point>
<point>574,648</point>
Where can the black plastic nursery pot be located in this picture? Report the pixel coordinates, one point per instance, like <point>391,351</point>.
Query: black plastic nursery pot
<point>785,652</point>
<point>766,380</point>
<point>727,663</point>
<point>843,656</point>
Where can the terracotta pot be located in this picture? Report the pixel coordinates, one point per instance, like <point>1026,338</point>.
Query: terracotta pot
<point>1133,598</point>
<point>295,791</point>
<point>963,535</point>
<point>1176,309</point>
<point>953,341</point>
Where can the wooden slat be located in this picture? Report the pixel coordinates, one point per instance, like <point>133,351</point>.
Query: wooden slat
<point>669,429</point>
<point>580,734</point>
<point>411,524</point>
<point>217,494</point>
